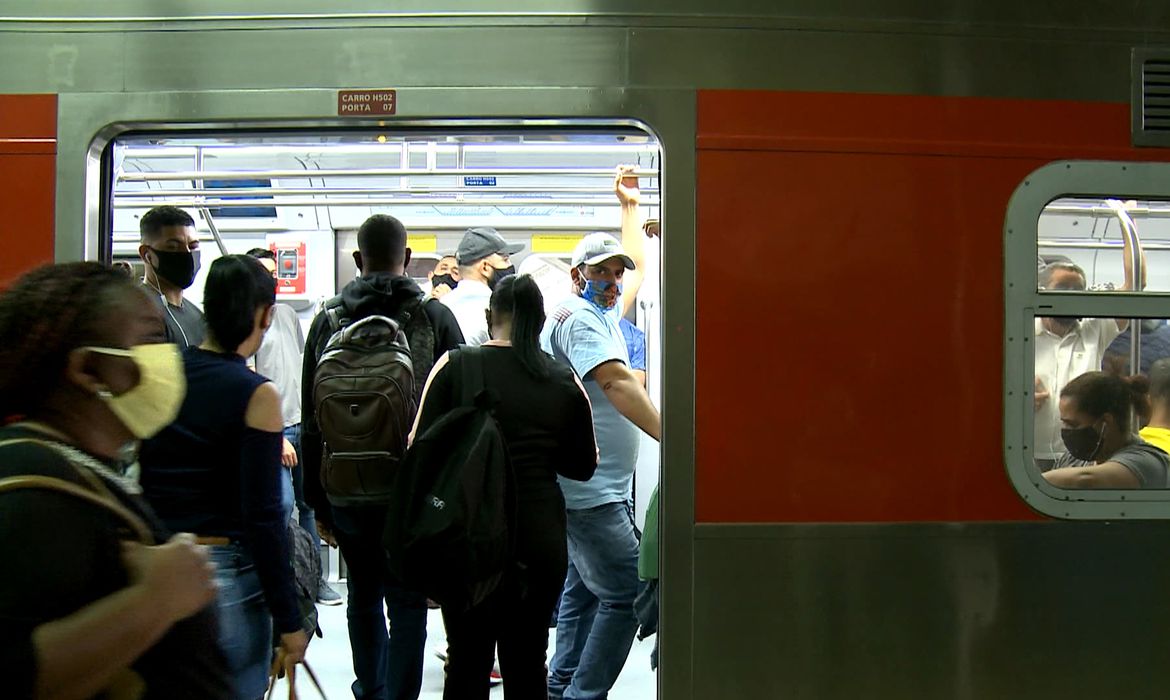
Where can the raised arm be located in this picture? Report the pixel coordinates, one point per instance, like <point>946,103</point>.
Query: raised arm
<point>633,239</point>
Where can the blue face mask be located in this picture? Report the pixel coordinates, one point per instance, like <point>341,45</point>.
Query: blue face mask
<point>598,294</point>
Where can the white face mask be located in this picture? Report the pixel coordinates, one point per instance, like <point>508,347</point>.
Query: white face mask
<point>162,384</point>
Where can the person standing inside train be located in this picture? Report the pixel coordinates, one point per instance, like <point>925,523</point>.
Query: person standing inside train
<point>596,622</point>
<point>215,471</point>
<point>169,248</point>
<point>545,418</point>
<point>85,375</point>
<point>442,279</point>
<point>1065,349</point>
<point>388,666</point>
<point>484,261</point>
<point>280,358</point>
<point>1104,451</point>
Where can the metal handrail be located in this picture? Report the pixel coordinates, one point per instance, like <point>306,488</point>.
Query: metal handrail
<point>312,191</point>
<point>200,203</point>
<point>375,172</point>
<point>1096,245</point>
<point>1129,230</point>
<point>1096,210</point>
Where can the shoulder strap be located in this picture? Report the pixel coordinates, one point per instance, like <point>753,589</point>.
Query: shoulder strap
<point>471,375</point>
<point>99,496</point>
<point>333,314</point>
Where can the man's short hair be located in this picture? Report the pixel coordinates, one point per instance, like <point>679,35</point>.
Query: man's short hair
<point>153,222</point>
<point>1052,268</point>
<point>1160,380</point>
<point>382,242</point>
<point>262,254</point>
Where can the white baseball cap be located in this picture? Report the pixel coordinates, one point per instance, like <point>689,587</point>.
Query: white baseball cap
<point>596,248</point>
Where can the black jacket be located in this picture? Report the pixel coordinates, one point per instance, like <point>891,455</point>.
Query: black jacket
<point>374,294</point>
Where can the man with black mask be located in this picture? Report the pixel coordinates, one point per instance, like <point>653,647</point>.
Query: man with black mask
<point>484,259</point>
<point>170,251</point>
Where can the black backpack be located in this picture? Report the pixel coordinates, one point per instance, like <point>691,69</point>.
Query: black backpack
<point>450,530</point>
<point>306,563</point>
<point>365,392</point>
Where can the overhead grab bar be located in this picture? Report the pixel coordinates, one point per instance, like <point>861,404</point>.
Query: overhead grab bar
<point>351,191</point>
<point>376,172</point>
<point>201,203</point>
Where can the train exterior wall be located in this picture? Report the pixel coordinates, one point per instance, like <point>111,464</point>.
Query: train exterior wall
<point>837,522</point>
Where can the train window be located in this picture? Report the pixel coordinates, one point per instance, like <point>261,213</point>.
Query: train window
<point>1087,370</point>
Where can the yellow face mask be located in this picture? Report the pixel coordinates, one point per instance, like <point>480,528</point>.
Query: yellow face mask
<point>162,384</point>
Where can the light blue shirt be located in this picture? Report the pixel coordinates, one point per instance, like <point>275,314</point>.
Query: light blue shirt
<point>585,340</point>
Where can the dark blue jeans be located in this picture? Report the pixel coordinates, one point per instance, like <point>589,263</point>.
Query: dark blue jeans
<point>388,665</point>
<point>245,626</point>
<point>305,515</point>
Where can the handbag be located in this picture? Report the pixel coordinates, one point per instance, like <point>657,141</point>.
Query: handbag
<point>275,674</point>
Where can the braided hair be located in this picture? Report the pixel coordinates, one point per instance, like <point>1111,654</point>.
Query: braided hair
<point>44,316</point>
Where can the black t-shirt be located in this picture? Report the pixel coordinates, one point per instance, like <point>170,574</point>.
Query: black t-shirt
<point>61,554</point>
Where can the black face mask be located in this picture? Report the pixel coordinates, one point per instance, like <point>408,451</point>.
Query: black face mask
<point>1083,443</point>
<point>444,279</point>
<point>178,268</point>
<point>499,274</point>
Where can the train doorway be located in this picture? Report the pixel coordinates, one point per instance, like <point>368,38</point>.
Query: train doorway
<point>303,195</point>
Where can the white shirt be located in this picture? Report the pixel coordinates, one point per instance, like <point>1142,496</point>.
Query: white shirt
<point>1059,361</point>
<point>468,302</point>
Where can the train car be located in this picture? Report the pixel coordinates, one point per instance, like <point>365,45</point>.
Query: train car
<point>852,198</point>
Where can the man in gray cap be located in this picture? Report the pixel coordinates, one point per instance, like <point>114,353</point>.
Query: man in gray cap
<point>483,259</point>
<point>596,622</point>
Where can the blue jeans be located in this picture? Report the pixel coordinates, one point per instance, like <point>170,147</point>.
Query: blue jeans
<point>388,666</point>
<point>245,625</point>
<point>596,622</point>
<point>305,515</point>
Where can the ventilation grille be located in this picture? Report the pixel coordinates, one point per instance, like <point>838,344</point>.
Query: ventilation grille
<point>1151,98</point>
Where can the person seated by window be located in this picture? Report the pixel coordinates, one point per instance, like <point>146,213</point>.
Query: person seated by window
<point>1103,450</point>
<point>85,373</point>
<point>1157,429</point>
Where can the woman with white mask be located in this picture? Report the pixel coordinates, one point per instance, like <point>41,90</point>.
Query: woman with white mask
<point>97,598</point>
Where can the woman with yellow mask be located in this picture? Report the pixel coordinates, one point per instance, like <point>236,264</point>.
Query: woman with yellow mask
<point>97,599</point>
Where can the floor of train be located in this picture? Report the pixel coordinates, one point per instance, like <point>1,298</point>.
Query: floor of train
<point>331,660</point>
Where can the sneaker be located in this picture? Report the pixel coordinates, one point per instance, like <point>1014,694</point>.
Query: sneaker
<point>326,595</point>
<point>495,678</point>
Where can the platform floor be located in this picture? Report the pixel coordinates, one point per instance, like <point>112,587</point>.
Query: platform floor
<point>331,660</point>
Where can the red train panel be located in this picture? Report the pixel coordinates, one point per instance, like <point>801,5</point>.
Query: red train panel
<point>850,309</point>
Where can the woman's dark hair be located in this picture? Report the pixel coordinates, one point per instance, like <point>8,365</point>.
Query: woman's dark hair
<point>44,316</point>
<point>237,285</point>
<point>1097,393</point>
<point>519,298</point>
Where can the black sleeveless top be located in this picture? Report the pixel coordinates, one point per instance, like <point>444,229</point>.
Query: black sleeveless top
<point>211,475</point>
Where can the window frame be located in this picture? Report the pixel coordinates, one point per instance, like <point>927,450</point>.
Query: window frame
<point>1023,302</point>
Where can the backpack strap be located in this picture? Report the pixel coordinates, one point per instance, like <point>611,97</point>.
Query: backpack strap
<point>471,374</point>
<point>334,314</point>
<point>101,498</point>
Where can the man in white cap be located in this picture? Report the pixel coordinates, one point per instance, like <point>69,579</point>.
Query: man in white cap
<point>483,257</point>
<point>596,622</point>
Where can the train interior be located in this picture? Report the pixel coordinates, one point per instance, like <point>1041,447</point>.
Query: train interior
<point>1090,233</point>
<point>303,195</point>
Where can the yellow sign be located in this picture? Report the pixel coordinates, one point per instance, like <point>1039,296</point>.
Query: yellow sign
<point>555,243</point>
<point>423,243</point>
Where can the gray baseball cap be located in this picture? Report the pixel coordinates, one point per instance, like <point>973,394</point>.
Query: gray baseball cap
<point>478,243</point>
<point>596,248</point>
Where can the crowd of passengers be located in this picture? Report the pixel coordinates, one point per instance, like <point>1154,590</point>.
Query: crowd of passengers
<point>153,454</point>
<point>1099,424</point>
